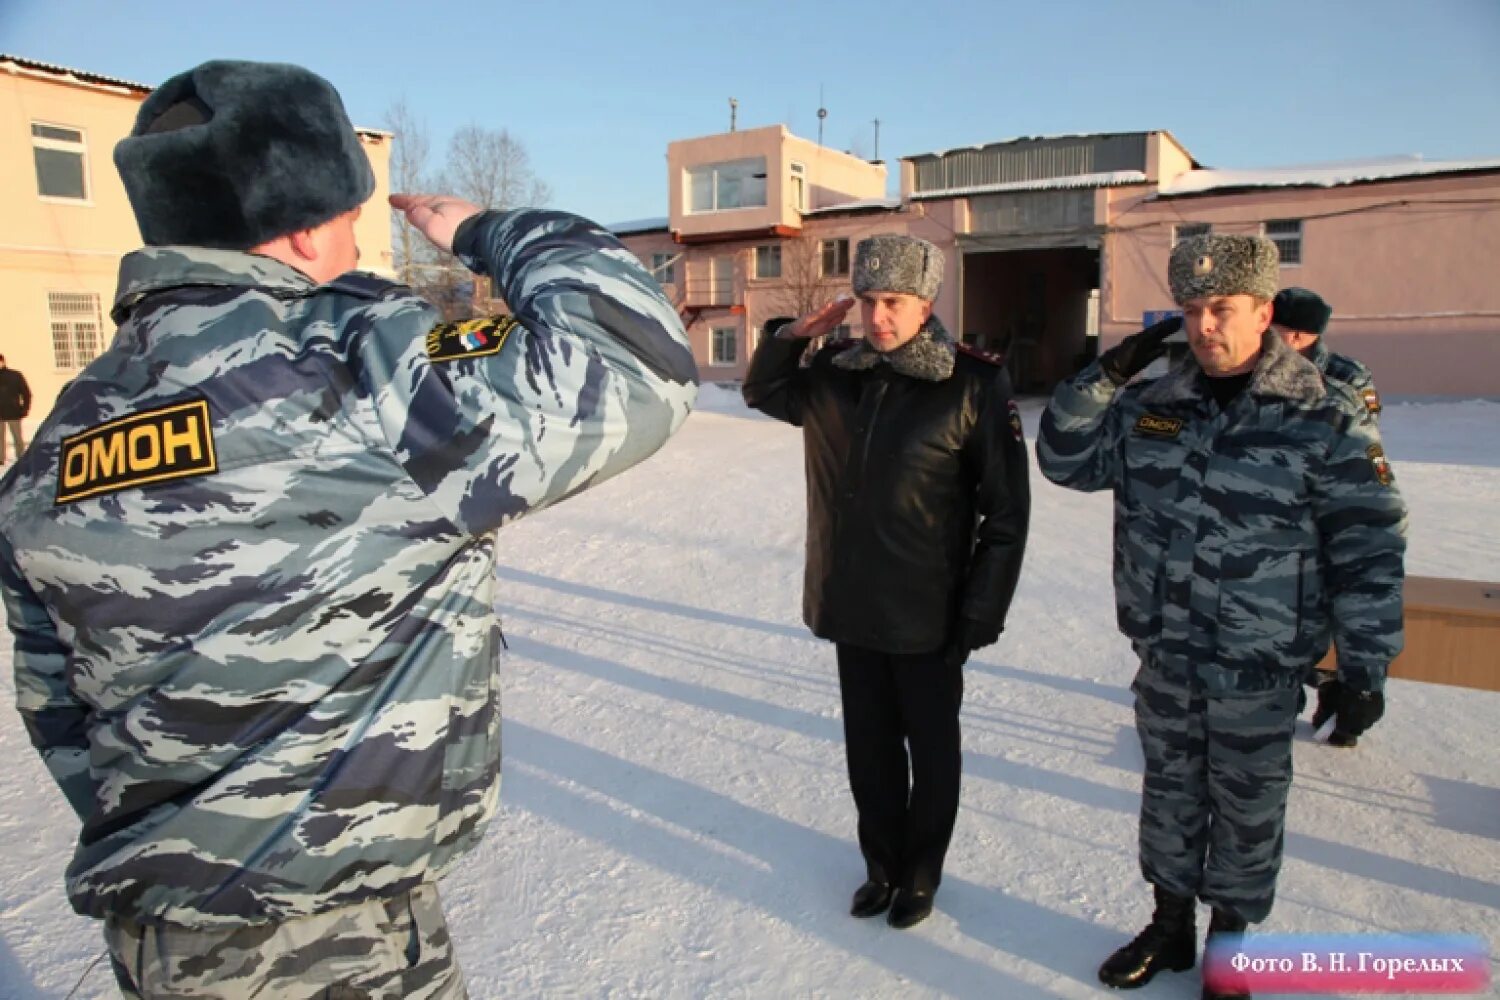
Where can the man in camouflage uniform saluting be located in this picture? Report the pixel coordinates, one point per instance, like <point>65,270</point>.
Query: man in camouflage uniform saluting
<point>1299,316</point>
<point>1255,517</point>
<point>249,560</point>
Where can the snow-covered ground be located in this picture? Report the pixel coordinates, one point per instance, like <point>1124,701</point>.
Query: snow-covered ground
<point>675,819</point>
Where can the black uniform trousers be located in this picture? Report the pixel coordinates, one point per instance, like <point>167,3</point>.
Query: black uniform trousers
<point>907,803</point>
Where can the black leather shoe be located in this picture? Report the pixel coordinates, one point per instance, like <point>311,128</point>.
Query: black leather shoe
<point>910,907</point>
<point>1169,942</point>
<point>871,899</point>
<point>1230,930</point>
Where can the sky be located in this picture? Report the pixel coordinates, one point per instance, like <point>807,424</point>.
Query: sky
<point>596,90</point>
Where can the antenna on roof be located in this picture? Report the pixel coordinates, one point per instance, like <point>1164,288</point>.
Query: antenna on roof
<point>734,106</point>
<point>822,113</point>
<point>877,140</point>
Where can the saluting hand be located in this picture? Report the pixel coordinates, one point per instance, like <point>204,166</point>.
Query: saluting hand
<point>822,321</point>
<point>436,216</point>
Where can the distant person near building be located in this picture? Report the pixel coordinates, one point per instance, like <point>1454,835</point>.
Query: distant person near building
<point>15,406</point>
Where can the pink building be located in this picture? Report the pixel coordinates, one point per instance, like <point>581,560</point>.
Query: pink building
<point>1058,244</point>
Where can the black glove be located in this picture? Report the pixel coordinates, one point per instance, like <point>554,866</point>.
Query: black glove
<point>968,635</point>
<point>1329,693</point>
<point>1355,712</point>
<point>1130,356</point>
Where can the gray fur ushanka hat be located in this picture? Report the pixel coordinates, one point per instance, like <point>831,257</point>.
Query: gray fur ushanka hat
<point>896,263</point>
<point>1215,264</point>
<point>231,154</point>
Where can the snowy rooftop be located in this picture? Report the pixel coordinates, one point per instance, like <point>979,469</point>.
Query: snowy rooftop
<point>1319,174</point>
<point>11,63</point>
<point>862,205</point>
<point>1112,178</point>
<point>637,226</point>
<point>939,153</point>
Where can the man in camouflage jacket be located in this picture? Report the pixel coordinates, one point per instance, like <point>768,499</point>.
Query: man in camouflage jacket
<point>1299,316</point>
<point>1255,517</point>
<point>249,559</point>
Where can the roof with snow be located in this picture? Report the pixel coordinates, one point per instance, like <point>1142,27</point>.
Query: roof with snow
<point>1323,175</point>
<point>862,205</point>
<point>11,63</point>
<point>1112,178</point>
<point>638,226</point>
<point>1014,140</point>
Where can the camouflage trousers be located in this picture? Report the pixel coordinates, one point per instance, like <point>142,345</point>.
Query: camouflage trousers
<point>381,949</point>
<point>1213,803</point>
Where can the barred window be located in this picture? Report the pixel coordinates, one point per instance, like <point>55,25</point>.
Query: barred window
<point>77,330</point>
<point>1186,230</point>
<point>1287,235</point>
<point>58,152</point>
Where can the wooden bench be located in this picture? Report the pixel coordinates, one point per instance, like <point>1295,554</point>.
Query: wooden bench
<point>1452,634</point>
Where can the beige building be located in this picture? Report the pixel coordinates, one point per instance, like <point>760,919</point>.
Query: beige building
<point>65,221</point>
<point>1057,246</point>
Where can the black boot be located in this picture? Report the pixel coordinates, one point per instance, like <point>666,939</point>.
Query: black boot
<point>1328,702</point>
<point>909,908</point>
<point>1224,930</point>
<point>870,899</point>
<point>1170,941</point>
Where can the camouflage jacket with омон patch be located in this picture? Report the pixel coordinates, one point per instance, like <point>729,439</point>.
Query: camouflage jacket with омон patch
<point>249,560</point>
<point>1247,538</point>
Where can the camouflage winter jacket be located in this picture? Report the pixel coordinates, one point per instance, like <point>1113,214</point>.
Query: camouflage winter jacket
<point>249,559</point>
<point>1346,373</point>
<point>1221,518</point>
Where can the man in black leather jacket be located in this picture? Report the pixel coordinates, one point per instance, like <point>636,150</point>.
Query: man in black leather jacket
<point>917,509</point>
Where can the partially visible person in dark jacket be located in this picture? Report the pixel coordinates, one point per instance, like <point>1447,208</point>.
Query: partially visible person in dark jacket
<point>917,509</point>
<point>15,406</point>
<point>1299,316</point>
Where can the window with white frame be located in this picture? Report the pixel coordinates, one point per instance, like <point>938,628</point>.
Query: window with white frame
<point>1287,235</point>
<point>1187,230</point>
<point>768,261</point>
<point>717,187</point>
<point>77,330</point>
<point>664,268</point>
<point>722,348</point>
<point>61,161</point>
<point>835,258</point>
<point>799,186</point>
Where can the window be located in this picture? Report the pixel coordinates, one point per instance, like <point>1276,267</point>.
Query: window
<point>59,153</point>
<point>799,187</point>
<point>842,332</point>
<point>718,187</point>
<point>835,258</point>
<point>723,347</point>
<point>768,262</point>
<point>76,328</point>
<point>1287,235</point>
<point>1185,230</point>
<point>664,268</point>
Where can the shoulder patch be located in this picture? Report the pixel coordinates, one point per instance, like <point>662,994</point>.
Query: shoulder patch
<point>364,284</point>
<point>1371,398</point>
<point>1015,421</point>
<point>1150,425</point>
<point>989,357</point>
<point>151,446</point>
<point>1380,464</point>
<point>473,338</point>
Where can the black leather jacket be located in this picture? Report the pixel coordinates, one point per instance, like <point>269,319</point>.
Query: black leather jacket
<point>917,494</point>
